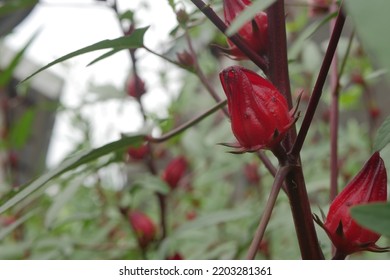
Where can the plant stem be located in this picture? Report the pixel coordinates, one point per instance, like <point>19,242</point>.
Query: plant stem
<point>317,91</point>
<point>187,125</point>
<point>295,183</point>
<point>236,39</point>
<point>334,118</point>
<point>279,179</point>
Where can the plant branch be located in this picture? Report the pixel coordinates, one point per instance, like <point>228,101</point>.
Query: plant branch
<point>317,91</point>
<point>278,182</point>
<point>295,183</point>
<point>187,125</point>
<point>236,39</point>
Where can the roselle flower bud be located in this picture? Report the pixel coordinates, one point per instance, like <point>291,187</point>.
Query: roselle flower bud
<point>251,171</point>
<point>186,59</point>
<point>369,185</point>
<point>318,7</point>
<point>138,153</point>
<point>143,227</point>
<point>135,87</point>
<point>175,256</point>
<point>259,112</point>
<point>174,172</point>
<point>253,32</point>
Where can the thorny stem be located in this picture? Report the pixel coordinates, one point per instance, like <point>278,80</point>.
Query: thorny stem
<point>317,91</point>
<point>236,39</point>
<point>201,75</point>
<point>278,182</point>
<point>187,125</point>
<point>295,183</point>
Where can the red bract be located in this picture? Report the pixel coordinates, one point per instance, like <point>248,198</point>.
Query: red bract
<point>259,112</point>
<point>369,185</point>
<point>253,32</point>
<point>143,227</point>
<point>174,171</point>
<point>135,87</point>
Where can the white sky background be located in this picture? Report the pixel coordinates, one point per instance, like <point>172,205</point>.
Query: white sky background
<point>69,25</point>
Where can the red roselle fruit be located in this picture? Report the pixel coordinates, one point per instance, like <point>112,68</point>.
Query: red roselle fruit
<point>135,87</point>
<point>259,112</point>
<point>253,32</point>
<point>174,171</point>
<point>251,171</point>
<point>138,153</point>
<point>143,227</point>
<point>369,185</point>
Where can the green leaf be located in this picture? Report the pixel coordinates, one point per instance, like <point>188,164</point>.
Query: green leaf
<point>135,40</point>
<point>15,5</point>
<point>372,20</point>
<point>72,163</point>
<point>60,200</point>
<point>248,14</point>
<point>6,74</point>
<point>103,56</point>
<point>383,135</point>
<point>7,230</point>
<point>375,216</point>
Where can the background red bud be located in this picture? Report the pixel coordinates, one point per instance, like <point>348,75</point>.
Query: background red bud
<point>143,227</point>
<point>135,87</point>
<point>174,171</point>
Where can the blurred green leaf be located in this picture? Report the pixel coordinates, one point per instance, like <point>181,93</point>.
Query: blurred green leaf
<point>152,183</point>
<point>374,216</point>
<point>371,20</point>
<point>72,163</point>
<point>135,40</point>
<point>21,129</point>
<point>60,200</point>
<point>7,230</point>
<point>13,6</point>
<point>248,14</point>
<point>6,74</point>
<point>383,135</point>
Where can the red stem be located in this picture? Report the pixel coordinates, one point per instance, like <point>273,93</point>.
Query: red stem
<point>295,183</point>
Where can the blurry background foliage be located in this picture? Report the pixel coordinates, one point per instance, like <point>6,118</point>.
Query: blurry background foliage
<point>73,210</point>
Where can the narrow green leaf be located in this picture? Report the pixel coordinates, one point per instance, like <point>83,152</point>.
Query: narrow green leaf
<point>371,19</point>
<point>383,135</point>
<point>69,164</point>
<point>7,230</point>
<point>7,73</point>
<point>135,40</point>
<point>374,216</point>
<point>103,56</point>
<point>61,200</point>
<point>248,14</point>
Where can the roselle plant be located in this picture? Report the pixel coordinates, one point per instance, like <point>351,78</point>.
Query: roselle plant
<point>196,200</point>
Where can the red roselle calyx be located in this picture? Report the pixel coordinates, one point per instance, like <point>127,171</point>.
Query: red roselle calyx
<point>253,32</point>
<point>135,87</point>
<point>143,227</point>
<point>174,171</point>
<point>138,153</point>
<point>259,113</point>
<point>369,185</point>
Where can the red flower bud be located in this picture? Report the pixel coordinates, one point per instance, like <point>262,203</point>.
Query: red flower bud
<point>251,171</point>
<point>186,59</point>
<point>369,185</point>
<point>143,227</point>
<point>135,87</point>
<point>175,256</point>
<point>174,171</point>
<point>138,153</point>
<point>253,32</point>
<point>259,112</point>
